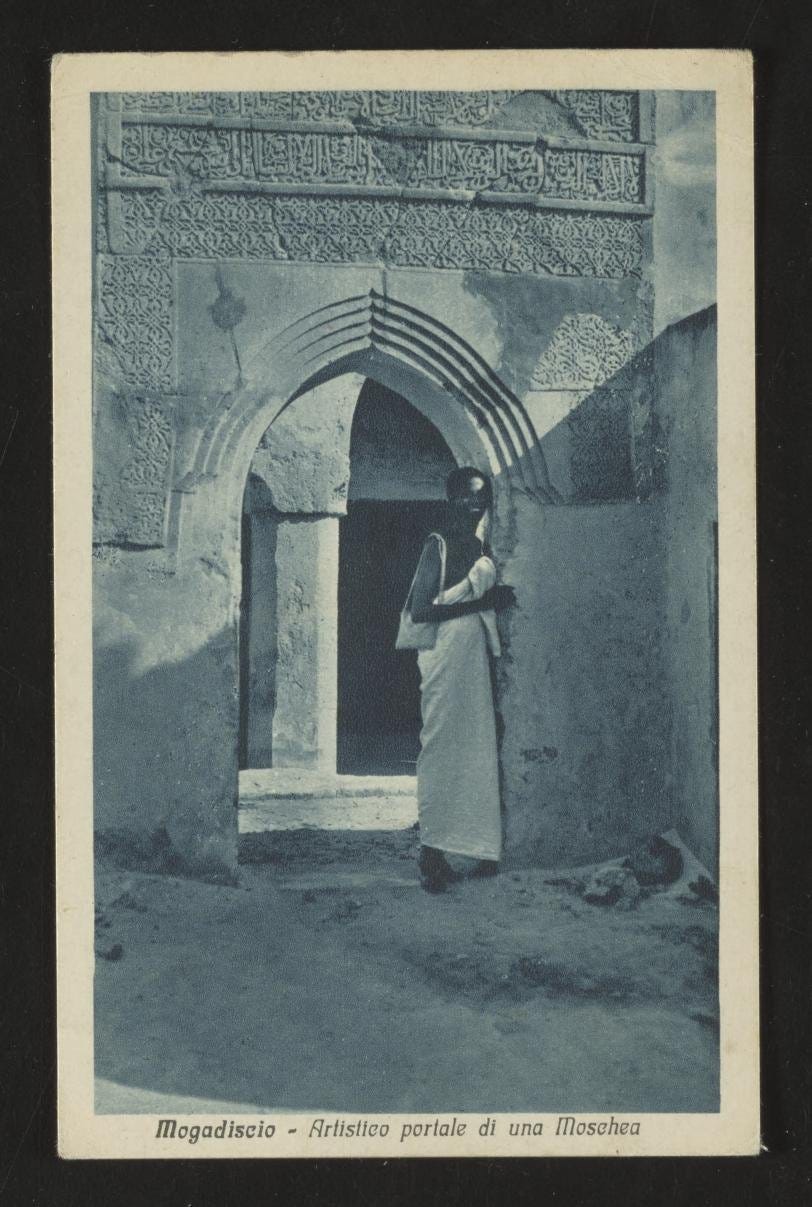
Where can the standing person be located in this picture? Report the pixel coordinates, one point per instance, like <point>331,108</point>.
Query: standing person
<point>449,617</point>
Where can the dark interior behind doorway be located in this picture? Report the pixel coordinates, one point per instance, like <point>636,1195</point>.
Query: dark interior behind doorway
<point>378,686</point>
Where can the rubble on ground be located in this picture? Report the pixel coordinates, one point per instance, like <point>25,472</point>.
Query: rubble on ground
<point>655,862</point>
<point>613,886</point>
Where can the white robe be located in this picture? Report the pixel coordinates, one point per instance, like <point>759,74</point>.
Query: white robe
<point>457,769</point>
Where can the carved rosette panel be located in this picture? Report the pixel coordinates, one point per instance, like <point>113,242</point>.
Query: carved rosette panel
<point>607,116</point>
<point>135,318</point>
<point>585,351</point>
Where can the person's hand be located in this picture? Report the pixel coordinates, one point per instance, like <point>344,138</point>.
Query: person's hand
<point>503,597</point>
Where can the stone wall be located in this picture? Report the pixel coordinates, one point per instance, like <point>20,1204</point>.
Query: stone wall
<point>684,406</point>
<point>586,723</point>
<point>684,238</point>
<point>485,256</point>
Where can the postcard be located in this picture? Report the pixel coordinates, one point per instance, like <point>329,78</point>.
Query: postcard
<point>405,604</point>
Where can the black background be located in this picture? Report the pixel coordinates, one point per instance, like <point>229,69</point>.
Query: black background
<point>780,34</point>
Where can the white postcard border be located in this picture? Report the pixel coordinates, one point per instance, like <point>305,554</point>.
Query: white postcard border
<point>735,1130</point>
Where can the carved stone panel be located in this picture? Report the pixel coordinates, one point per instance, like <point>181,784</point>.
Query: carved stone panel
<point>608,116</point>
<point>593,176</point>
<point>213,155</point>
<point>135,318</point>
<point>585,351</point>
<point>405,179</point>
<point>133,441</point>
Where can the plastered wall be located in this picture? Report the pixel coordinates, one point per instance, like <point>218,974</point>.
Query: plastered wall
<point>496,319</point>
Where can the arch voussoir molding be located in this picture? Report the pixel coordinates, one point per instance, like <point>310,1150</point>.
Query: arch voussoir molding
<point>378,336</point>
<point>343,336</point>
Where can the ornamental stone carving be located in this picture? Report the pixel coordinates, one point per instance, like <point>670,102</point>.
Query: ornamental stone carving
<point>296,157</point>
<point>133,474</point>
<point>378,108</point>
<point>186,155</point>
<point>431,180</point>
<point>607,116</point>
<point>585,351</point>
<point>339,230</point>
<point>612,116</point>
<point>135,318</point>
<point>593,176</point>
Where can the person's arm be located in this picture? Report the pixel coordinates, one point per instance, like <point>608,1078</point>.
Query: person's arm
<point>427,586</point>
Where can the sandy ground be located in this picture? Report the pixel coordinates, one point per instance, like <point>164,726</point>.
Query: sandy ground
<point>328,980</point>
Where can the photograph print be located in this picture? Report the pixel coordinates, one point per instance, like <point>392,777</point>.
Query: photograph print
<point>405,608</point>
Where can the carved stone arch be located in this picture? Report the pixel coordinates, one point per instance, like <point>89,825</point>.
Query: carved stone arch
<point>402,347</point>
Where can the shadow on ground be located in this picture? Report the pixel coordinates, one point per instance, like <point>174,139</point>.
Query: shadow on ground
<point>327,980</point>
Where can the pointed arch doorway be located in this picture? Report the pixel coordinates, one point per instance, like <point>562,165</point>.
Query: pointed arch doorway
<point>315,365</point>
<point>361,776</point>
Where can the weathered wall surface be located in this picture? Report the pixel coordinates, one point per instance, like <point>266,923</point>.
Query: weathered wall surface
<point>490,252</point>
<point>684,236</point>
<point>165,731</point>
<point>685,479</point>
<point>586,722</point>
<point>610,726</point>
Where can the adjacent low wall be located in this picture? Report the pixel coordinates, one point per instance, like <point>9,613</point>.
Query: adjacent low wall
<point>684,408</point>
<point>609,690</point>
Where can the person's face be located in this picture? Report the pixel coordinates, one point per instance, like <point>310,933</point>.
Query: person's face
<point>473,501</point>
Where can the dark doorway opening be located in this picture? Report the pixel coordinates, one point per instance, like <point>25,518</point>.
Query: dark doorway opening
<point>378,686</point>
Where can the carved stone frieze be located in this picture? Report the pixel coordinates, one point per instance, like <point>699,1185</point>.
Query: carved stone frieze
<point>514,239</point>
<point>331,229</point>
<point>211,155</point>
<point>197,153</point>
<point>377,108</point>
<point>378,179</point>
<point>196,225</point>
<point>602,114</point>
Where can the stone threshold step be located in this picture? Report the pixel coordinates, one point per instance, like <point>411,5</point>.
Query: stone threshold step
<point>292,783</point>
<point>327,813</point>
